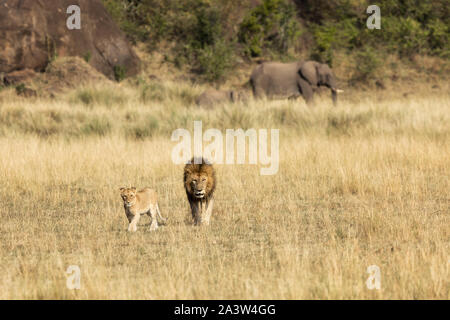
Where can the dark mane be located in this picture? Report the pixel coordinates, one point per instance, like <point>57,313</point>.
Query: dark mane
<point>204,166</point>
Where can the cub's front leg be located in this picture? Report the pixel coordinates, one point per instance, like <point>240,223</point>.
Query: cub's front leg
<point>132,227</point>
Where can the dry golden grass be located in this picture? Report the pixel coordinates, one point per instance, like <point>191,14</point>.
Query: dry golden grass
<point>362,184</point>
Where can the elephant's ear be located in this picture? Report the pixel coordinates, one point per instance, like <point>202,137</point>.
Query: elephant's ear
<point>309,71</point>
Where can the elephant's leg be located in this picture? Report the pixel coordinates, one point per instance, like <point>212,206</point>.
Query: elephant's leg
<point>261,87</point>
<point>306,90</point>
<point>258,91</point>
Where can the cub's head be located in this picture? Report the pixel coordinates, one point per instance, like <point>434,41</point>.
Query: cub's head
<point>128,196</point>
<point>199,179</point>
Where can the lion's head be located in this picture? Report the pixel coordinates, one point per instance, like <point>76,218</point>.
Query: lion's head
<point>128,196</point>
<point>199,179</point>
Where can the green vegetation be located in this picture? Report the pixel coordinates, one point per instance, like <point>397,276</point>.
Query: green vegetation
<point>87,57</point>
<point>271,26</point>
<point>209,36</point>
<point>119,73</point>
<point>367,62</point>
<point>90,97</point>
<point>20,88</point>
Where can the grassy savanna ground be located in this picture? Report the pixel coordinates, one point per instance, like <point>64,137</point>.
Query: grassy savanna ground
<point>362,184</point>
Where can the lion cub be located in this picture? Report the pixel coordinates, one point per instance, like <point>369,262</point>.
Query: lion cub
<point>140,202</point>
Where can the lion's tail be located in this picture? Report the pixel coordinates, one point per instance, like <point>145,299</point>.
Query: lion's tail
<point>164,220</point>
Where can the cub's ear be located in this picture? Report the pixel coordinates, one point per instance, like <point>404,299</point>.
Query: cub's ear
<point>122,189</point>
<point>133,188</point>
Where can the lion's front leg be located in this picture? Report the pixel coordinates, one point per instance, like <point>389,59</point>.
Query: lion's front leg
<point>202,212</point>
<point>132,227</point>
<point>209,207</point>
<point>154,223</point>
<point>196,212</point>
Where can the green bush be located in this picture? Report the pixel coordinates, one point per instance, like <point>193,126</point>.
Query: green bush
<point>87,56</point>
<point>20,88</point>
<point>214,61</point>
<point>205,47</point>
<point>324,42</point>
<point>404,35</point>
<point>367,63</point>
<point>271,25</point>
<point>439,38</point>
<point>347,34</point>
<point>207,35</point>
<point>129,15</point>
<point>119,73</point>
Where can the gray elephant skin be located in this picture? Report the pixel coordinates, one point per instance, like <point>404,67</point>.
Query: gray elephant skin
<point>212,97</point>
<point>290,80</point>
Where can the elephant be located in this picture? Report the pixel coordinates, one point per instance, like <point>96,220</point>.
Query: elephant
<point>211,97</point>
<point>290,80</point>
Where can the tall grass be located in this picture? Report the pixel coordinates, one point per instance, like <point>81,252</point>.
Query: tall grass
<point>158,108</point>
<point>361,184</point>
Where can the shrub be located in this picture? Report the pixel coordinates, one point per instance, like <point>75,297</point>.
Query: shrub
<point>271,25</point>
<point>20,88</point>
<point>214,61</point>
<point>96,126</point>
<point>202,33</point>
<point>367,63</point>
<point>330,36</point>
<point>87,57</point>
<point>439,38</point>
<point>129,15</point>
<point>119,73</point>
<point>204,46</point>
<point>403,35</point>
<point>324,39</point>
<point>146,129</point>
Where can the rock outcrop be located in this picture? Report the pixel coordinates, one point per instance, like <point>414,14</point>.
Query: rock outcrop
<point>34,32</point>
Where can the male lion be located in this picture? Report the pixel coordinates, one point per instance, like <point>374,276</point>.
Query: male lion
<point>199,183</point>
<point>140,202</point>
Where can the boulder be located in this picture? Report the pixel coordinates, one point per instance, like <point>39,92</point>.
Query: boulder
<point>67,73</point>
<point>20,76</point>
<point>34,32</point>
